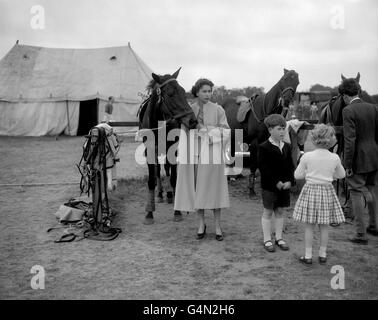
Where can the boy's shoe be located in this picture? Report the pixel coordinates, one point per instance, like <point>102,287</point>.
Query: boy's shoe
<point>269,247</point>
<point>305,260</point>
<point>282,244</point>
<point>372,230</point>
<point>322,260</point>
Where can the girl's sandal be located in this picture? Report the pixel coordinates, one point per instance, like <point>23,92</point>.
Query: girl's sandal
<point>305,260</point>
<point>269,247</point>
<point>282,244</point>
<point>322,260</point>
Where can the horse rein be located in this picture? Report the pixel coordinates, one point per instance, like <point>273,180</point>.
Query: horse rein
<point>250,102</point>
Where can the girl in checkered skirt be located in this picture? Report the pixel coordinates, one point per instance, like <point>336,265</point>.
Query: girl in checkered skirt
<point>318,202</point>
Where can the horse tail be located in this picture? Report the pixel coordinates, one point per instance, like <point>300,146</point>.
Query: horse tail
<point>323,114</point>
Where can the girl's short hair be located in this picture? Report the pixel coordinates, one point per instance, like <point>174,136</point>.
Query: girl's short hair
<point>323,136</point>
<point>274,120</point>
<point>199,84</point>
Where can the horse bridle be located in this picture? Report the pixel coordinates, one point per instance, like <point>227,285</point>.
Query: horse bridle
<point>161,100</point>
<point>164,106</point>
<point>263,106</point>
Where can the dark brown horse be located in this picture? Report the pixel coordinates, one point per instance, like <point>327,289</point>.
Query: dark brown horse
<point>254,129</point>
<point>165,109</point>
<point>332,114</point>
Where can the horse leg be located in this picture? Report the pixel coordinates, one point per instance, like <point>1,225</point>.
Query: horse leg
<point>168,185</point>
<point>177,216</point>
<point>159,183</point>
<point>253,168</point>
<point>150,206</point>
<point>230,166</point>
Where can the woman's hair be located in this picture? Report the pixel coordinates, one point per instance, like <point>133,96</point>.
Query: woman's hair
<point>199,84</point>
<point>275,120</point>
<point>323,136</point>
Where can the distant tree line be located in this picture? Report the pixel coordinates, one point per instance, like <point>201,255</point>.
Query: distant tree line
<point>221,93</point>
<point>334,91</point>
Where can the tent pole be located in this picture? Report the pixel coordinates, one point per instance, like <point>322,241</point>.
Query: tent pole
<point>68,118</point>
<point>98,109</point>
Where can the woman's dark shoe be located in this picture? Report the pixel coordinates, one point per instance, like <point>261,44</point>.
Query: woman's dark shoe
<point>268,246</point>
<point>219,237</point>
<point>201,235</point>
<point>305,260</point>
<point>322,260</point>
<point>282,244</point>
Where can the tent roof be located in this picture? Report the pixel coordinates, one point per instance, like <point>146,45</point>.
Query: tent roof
<point>32,73</point>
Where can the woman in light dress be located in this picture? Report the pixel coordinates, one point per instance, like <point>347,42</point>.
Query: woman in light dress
<point>201,179</point>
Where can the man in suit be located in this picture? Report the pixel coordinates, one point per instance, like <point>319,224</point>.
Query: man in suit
<point>360,128</point>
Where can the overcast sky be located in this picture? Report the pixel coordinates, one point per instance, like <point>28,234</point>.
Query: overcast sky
<point>236,43</point>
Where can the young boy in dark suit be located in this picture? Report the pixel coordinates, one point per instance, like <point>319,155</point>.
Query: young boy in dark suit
<point>277,177</point>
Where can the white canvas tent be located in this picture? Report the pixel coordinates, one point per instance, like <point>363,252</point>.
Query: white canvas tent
<point>49,91</point>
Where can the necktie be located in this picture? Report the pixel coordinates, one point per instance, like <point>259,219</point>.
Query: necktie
<point>200,115</point>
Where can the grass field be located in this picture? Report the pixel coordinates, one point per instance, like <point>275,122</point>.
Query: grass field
<point>159,261</point>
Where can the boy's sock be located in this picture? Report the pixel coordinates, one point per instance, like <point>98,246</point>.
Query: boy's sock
<point>279,227</point>
<point>322,252</point>
<point>308,253</point>
<point>266,226</point>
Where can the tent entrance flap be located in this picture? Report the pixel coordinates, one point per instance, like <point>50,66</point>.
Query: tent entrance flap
<point>88,117</point>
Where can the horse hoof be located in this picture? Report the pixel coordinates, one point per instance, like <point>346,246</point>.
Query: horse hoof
<point>160,200</point>
<point>177,218</point>
<point>169,200</point>
<point>148,221</point>
<point>252,195</point>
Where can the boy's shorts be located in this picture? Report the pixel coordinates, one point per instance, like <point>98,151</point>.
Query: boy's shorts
<point>276,199</point>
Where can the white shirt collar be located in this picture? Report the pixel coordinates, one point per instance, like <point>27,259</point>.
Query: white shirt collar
<point>354,99</point>
<point>280,145</point>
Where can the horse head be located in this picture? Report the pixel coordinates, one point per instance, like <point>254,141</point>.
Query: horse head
<point>332,111</point>
<point>357,78</point>
<point>356,81</point>
<point>167,102</point>
<point>288,85</point>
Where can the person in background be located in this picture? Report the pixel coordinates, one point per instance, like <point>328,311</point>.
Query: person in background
<point>108,110</point>
<point>314,111</point>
